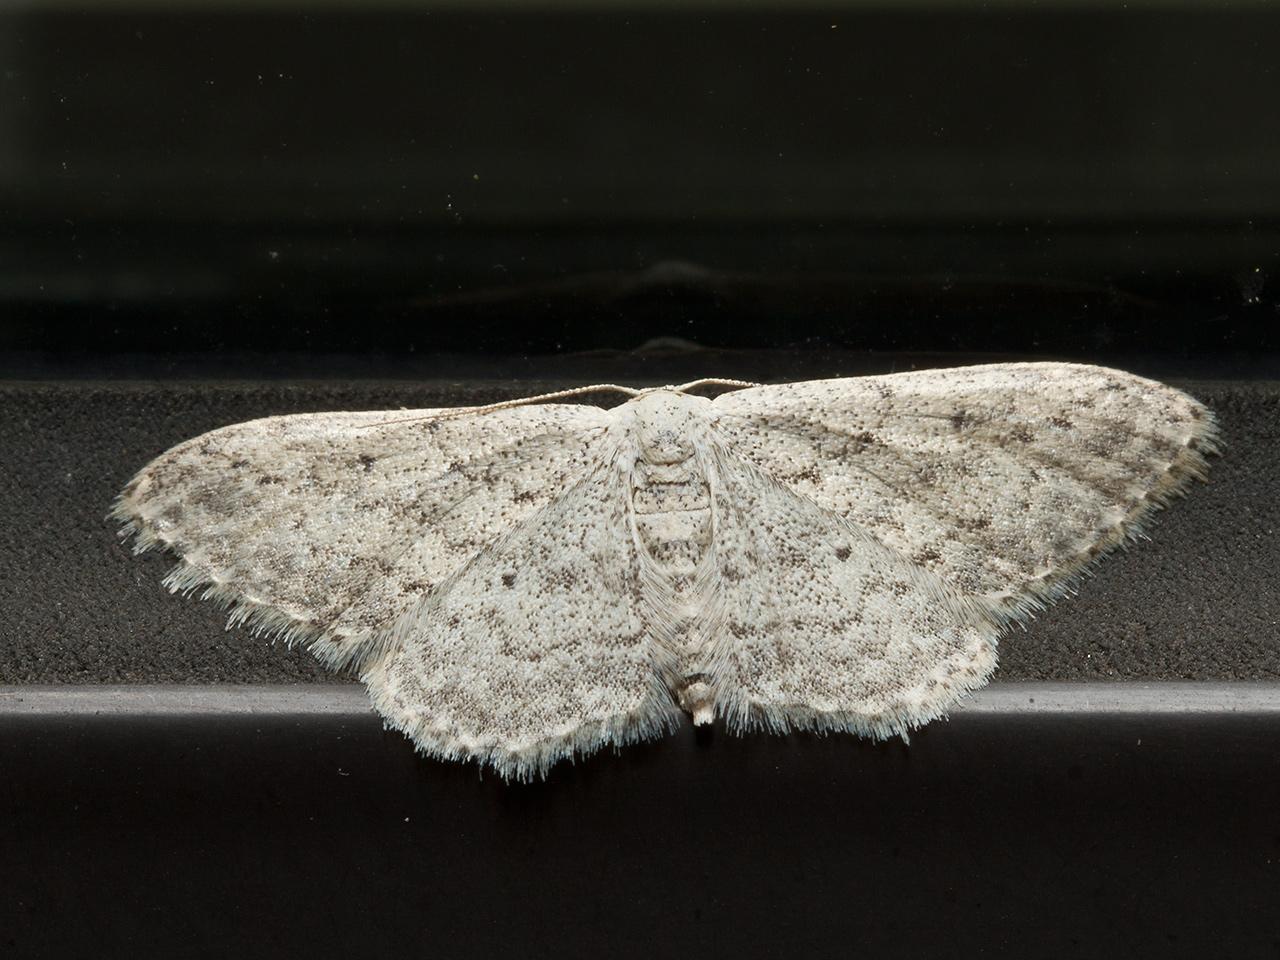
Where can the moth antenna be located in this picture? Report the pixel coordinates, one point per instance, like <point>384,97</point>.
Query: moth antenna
<point>715,382</point>
<point>518,402</point>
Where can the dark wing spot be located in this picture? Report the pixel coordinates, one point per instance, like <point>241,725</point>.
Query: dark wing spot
<point>842,553</point>
<point>858,442</point>
<point>367,462</point>
<point>239,464</point>
<point>508,579</point>
<point>1061,422</point>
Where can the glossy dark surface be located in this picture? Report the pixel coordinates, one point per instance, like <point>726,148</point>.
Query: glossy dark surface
<point>1002,834</point>
<point>1074,179</point>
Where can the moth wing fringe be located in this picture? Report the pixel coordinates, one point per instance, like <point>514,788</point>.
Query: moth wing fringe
<point>929,700</point>
<point>535,761</point>
<point>1191,464</point>
<point>337,651</point>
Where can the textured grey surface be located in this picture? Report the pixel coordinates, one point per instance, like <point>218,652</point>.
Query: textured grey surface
<point>1197,602</point>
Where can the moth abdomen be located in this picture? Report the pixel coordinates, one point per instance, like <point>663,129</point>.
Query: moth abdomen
<point>696,695</point>
<point>672,511</point>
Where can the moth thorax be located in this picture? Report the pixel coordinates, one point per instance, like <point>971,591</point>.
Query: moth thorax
<point>667,425</point>
<point>665,446</point>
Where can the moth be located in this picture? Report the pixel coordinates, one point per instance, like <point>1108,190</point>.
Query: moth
<point>533,580</point>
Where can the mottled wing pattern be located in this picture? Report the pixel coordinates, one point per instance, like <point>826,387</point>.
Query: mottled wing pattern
<point>1003,479</point>
<point>326,527</point>
<point>537,649</point>
<point>826,627</point>
<point>868,540</point>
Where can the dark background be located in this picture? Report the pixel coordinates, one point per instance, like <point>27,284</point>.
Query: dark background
<point>412,202</point>
<point>229,188</point>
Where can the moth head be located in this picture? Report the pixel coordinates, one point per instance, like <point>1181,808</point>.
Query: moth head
<point>668,424</point>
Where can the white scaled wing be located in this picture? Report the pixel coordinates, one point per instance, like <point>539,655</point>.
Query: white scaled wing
<point>536,650</point>
<point>827,628</point>
<point>1004,480</point>
<point>326,528</point>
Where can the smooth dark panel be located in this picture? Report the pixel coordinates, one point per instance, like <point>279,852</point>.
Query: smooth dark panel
<point>531,115</point>
<point>1136,835</point>
<point>73,290</point>
<point>951,177</point>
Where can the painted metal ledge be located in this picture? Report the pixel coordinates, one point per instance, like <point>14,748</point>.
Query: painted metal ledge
<point>1045,820</point>
<point>144,700</point>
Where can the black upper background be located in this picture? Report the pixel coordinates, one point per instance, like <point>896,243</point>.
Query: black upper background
<point>254,190</point>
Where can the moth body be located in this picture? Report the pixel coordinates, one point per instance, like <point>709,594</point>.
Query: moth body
<point>671,513</point>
